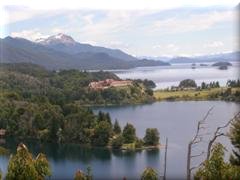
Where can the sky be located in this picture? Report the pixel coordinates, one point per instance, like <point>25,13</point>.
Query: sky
<point>140,28</point>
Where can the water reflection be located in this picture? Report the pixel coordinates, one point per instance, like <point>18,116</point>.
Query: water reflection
<point>65,159</point>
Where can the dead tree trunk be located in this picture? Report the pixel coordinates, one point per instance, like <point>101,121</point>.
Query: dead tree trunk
<point>196,139</point>
<point>218,133</point>
<point>165,160</point>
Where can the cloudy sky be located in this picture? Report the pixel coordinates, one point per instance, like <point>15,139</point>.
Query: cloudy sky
<point>170,29</point>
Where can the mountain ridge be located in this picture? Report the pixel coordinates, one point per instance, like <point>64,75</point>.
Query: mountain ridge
<point>65,43</point>
<point>14,50</point>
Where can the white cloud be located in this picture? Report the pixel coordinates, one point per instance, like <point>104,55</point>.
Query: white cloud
<point>29,34</point>
<point>215,44</point>
<point>173,47</point>
<point>121,4</point>
<point>157,46</point>
<point>94,43</point>
<point>57,30</point>
<point>194,22</point>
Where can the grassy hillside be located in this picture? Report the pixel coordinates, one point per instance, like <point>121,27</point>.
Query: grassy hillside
<point>223,93</point>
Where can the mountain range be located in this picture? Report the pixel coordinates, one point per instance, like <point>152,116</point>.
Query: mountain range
<point>63,52</point>
<point>220,57</point>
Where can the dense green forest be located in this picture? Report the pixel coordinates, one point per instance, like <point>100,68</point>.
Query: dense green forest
<point>33,83</point>
<point>51,106</point>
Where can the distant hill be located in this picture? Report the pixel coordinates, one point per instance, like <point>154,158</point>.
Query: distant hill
<point>233,56</point>
<point>62,52</point>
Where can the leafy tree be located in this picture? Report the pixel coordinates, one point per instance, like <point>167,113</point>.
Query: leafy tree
<point>235,139</point>
<point>117,142</point>
<point>215,168</point>
<point>151,136</point>
<point>42,166</point>
<point>149,174</point>
<point>104,117</point>
<point>139,143</point>
<point>203,85</point>
<point>23,166</point>
<point>129,133</point>
<point>102,134</point>
<point>186,83</point>
<point>116,128</point>
<point>149,92</point>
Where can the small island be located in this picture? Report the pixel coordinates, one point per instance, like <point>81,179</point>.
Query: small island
<point>222,65</point>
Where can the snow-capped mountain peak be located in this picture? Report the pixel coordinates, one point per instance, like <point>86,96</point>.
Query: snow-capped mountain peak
<point>56,39</point>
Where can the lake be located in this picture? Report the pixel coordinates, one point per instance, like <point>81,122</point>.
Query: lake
<point>175,120</point>
<point>167,76</point>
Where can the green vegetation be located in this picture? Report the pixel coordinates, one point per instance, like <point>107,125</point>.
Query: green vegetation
<point>207,91</point>
<point>187,83</point>
<point>152,137</point>
<point>117,142</point>
<point>22,165</point>
<point>147,83</point>
<point>32,83</point>
<point>210,85</point>
<point>3,151</point>
<point>129,141</point>
<point>226,94</point>
<point>116,128</point>
<point>102,133</point>
<point>216,168</point>
<point>53,106</point>
<point>149,174</point>
<point>129,134</point>
<point>235,140</point>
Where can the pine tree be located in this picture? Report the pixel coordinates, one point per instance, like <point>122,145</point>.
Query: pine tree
<point>149,174</point>
<point>116,128</point>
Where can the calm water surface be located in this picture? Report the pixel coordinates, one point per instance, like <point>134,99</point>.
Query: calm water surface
<point>175,120</point>
<point>167,76</point>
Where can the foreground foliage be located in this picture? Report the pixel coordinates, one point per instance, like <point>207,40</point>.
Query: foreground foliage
<point>216,168</point>
<point>22,165</point>
<point>235,139</point>
<point>149,174</point>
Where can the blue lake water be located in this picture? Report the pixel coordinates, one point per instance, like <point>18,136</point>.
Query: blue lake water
<point>167,76</point>
<point>175,120</point>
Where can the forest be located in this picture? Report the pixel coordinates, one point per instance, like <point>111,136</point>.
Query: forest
<point>54,106</point>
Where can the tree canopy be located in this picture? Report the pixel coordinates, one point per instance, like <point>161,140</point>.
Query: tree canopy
<point>235,139</point>
<point>216,168</point>
<point>149,174</point>
<point>151,137</point>
<point>129,133</point>
<point>187,83</point>
<point>116,128</point>
<point>22,165</point>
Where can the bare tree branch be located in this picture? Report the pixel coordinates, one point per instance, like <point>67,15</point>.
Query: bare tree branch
<point>196,139</point>
<point>197,155</point>
<point>195,167</point>
<point>218,133</point>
